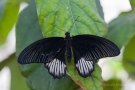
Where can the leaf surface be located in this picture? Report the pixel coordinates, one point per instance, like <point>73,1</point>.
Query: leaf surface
<point>62,14</point>
<point>121,29</point>
<point>100,9</point>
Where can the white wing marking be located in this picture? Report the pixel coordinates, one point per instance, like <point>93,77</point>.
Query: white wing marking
<point>84,67</point>
<point>57,68</point>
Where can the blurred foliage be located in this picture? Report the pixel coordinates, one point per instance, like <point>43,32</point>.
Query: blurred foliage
<point>116,65</point>
<point>2,7</point>
<point>122,29</point>
<point>100,9</point>
<point>132,2</point>
<point>17,81</point>
<point>122,32</point>
<point>8,13</point>
<point>29,29</point>
<point>112,84</point>
<point>9,10</point>
<point>129,58</point>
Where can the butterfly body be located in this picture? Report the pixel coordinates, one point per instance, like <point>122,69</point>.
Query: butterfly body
<point>68,40</point>
<point>53,51</point>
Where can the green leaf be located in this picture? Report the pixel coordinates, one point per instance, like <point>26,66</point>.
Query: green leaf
<point>27,31</point>
<point>17,81</point>
<point>38,78</point>
<point>116,66</point>
<point>2,7</point>
<point>132,2</point>
<point>42,80</point>
<point>8,20</point>
<point>90,83</point>
<point>121,29</point>
<point>100,9</point>
<point>27,28</point>
<point>18,1</point>
<point>62,14</point>
<point>129,58</point>
<point>79,89</point>
<point>112,84</point>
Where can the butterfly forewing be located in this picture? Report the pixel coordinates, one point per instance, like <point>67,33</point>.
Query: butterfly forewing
<point>95,47</point>
<point>42,51</point>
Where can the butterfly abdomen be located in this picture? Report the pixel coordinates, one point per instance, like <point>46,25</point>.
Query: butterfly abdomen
<point>69,53</point>
<point>68,46</point>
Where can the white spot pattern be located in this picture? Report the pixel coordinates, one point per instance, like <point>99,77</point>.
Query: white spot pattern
<point>56,68</point>
<point>84,67</point>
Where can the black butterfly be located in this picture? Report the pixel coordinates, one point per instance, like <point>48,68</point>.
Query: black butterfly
<point>87,49</point>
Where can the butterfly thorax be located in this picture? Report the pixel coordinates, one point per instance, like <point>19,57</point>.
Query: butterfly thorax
<point>68,46</point>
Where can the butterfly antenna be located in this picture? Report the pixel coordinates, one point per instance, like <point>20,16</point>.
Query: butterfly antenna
<point>73,23</point>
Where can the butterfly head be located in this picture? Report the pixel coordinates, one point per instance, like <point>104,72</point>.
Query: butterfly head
<point>67,34</point>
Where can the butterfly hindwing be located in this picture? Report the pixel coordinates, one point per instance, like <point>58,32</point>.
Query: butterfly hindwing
<point>84,68</point>
<point>42,51</point>
<point>57,67</point>
<point>87,49</point>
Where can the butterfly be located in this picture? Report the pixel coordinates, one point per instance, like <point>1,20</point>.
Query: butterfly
<point>54,51</point>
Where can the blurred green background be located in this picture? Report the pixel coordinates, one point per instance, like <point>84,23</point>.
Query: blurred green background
<point>118,73</point>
